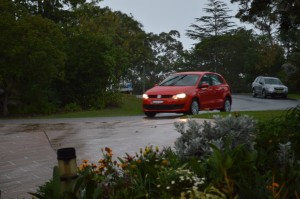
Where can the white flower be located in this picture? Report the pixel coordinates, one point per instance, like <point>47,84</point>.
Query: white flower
<point>173,182</point>
<point>167,187</point>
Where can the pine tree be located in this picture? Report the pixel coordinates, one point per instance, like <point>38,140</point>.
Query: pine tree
<point>214,24</point>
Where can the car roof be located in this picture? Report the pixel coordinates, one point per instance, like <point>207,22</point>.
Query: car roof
<point>270,77</point>
<point>195,72</point>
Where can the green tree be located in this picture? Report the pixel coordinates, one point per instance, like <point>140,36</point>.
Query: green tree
<point>31,57</point>
<point>281,15</point>
<point>241,56</point>
<point>102,47</point>
<point>214,24</point>
<point>167,51</point>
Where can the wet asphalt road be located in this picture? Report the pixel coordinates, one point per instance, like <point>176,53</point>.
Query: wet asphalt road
<point>28,146</point>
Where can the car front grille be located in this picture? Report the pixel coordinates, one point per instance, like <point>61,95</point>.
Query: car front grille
<point>163,107</point>
<point>160,96</point>
<point>278,89</point>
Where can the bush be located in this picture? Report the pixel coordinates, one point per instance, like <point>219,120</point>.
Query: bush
<point>106,100</point>
<point>195,140</point>
<point>72,107</point>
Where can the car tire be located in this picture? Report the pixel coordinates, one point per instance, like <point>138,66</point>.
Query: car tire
<point>194,108</point>
<point>254,93</point>
<point>264,94</point>
<point>150,114</point>
<point>226,106</point>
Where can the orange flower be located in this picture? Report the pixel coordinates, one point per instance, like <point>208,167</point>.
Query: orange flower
<point>123,166</point>
<point>133,166</point>
<point>100,168</point>
<point>83,166</point>
<point>274,184</point>
<point>165,162</point>
<point>108,150</point>
<point>85,161</point>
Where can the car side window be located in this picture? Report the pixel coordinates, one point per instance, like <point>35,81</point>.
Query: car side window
<point>205,80</point>
<point>216,80</point>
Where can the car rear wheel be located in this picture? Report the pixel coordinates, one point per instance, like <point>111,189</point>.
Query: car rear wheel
<point>227,106</point>
<point>254,93</point>
<point>194,108</point>
<point>150,114</point>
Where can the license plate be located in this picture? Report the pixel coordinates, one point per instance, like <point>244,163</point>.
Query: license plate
<point>278,91</point>
<point>157,102</point>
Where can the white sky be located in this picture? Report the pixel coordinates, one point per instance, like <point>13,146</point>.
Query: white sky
<point>164,15</point>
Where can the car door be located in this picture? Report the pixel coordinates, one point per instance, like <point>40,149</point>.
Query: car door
<point>205,94</point>
<point>217,91</point>
<point>260,85</point>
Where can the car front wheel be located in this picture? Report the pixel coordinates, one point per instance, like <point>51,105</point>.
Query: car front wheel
<point>194,108</point>
<point>227,106</point>
<point>150,114</point>
<point>254,93</point>
<point>264,94</point>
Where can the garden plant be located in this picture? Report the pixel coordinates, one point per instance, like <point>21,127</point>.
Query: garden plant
<point>229,157</point>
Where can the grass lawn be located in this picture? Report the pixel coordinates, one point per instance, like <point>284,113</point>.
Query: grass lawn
<point>131,106</point>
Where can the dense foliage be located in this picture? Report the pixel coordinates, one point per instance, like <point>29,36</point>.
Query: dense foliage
<point>239,159</point>
<point>56,53</point>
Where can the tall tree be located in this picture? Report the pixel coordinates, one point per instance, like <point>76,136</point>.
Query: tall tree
<point>216,23</point>
<point>31,56</point>
<point>102,47</point>
<point>242,56</point>
<point>281,15</point>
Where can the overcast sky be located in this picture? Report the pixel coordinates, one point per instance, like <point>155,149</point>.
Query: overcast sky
<point>164,15</point>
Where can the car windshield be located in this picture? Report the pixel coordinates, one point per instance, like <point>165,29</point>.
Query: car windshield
<point>180,80</point>
<point>273,81</point>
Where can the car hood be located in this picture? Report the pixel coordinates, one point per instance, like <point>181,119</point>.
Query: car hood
<point>170,90</point>
<point>276,86</point>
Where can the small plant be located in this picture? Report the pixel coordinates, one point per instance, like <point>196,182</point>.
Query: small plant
<point>195,140</point>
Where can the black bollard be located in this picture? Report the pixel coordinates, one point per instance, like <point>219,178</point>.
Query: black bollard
<point>67,167</point>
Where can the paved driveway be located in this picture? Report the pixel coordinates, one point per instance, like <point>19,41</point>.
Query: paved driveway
<point>28,147</point>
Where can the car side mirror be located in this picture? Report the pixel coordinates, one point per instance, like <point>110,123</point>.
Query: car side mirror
<point>261,83</point>
<point>204,85</point>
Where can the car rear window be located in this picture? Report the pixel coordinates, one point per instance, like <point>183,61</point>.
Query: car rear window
<point>180,80</point>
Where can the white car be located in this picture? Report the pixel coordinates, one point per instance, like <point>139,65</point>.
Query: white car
<point>269,86</point>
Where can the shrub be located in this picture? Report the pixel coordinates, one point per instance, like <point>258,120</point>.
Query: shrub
<point>278,144</point>
<point>72,107</point>
<point>107,99</point>
<point>195,140</point>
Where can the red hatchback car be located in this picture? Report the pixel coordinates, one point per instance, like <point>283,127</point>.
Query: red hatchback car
<point>188,92</point>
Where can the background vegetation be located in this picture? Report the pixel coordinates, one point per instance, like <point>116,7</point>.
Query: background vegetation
<point>65,54</point>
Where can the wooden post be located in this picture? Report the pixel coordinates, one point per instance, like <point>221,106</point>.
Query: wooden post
<point>67,167</point>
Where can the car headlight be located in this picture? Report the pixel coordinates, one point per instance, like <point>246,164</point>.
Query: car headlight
<point>179,96</point>
<point>145,96</point>
<point>270,89</point>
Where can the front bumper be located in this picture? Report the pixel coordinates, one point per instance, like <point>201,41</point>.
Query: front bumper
<point>168,105</point>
